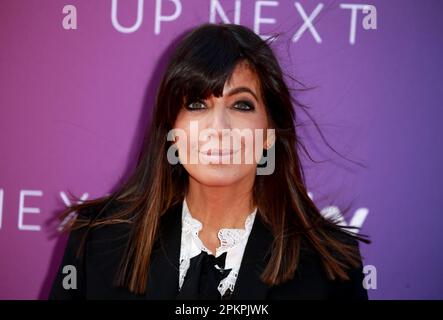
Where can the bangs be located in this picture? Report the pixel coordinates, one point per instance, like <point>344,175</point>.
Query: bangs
<point>206,63</point>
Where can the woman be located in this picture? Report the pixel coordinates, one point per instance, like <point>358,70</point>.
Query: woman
<point>217,207</point>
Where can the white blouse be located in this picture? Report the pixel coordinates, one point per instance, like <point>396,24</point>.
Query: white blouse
<point>233,241</point>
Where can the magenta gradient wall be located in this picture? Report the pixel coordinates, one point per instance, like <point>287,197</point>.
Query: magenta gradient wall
<point>74,105</point>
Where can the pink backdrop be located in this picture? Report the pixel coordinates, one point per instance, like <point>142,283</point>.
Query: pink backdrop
<point>74,104</point>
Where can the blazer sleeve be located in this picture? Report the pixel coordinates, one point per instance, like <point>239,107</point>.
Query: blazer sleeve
<point>69,281</point>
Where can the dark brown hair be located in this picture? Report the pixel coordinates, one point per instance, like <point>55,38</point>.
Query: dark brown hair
<point>199,67</point>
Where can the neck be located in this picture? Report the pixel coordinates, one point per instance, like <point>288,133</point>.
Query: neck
<point>218,207</point>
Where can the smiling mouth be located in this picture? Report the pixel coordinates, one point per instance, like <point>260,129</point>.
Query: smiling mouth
<point>218,152</point>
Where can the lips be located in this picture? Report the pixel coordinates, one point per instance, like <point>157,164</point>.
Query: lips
<point>218,152</point>
<point>217,156</point>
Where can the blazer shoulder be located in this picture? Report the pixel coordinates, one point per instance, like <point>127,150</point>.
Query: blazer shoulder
<point>312,277</point>
<point>86,244</point>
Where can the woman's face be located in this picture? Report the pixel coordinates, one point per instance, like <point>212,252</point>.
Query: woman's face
<point>220,140</point>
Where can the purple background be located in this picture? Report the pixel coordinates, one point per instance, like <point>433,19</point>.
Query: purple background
<point>74,104</point>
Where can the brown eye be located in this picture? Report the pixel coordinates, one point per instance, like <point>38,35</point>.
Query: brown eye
<point>244,106</point>
<point>196,105</point>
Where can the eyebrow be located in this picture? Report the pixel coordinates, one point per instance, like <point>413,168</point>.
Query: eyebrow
<point>242,89</point>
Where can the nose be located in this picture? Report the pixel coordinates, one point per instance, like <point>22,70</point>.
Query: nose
<point>219,120</point>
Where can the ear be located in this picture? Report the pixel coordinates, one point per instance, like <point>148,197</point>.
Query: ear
<point>176,137</point>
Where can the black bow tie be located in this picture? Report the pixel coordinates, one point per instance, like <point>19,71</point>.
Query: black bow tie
<point>203,277</point>
<point>219,262</point>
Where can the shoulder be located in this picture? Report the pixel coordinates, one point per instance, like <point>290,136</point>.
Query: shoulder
<point>311,280</point>
<point>352,288</point>
<point>99,224</point>
<point>108,232</point>
<point>90,246</point>
<point>117,228</point>
<point>308,251</point>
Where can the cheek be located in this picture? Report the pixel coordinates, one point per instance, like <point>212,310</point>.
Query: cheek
<point>185,140</point>
<point>252,143</point>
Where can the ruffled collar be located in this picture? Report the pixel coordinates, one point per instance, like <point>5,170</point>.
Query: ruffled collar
<point>229,237</point>
<point>232,242</point>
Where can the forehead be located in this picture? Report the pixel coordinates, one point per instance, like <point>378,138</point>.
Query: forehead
<point>242,76</point>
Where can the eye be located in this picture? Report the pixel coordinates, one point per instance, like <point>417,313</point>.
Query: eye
<point>196,105</point>
<point>244,105</point>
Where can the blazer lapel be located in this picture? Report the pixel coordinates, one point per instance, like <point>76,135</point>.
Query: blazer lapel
<point>255,257</point>
<point>164,270</point>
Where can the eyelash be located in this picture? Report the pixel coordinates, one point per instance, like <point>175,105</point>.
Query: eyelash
<point>250,106</point>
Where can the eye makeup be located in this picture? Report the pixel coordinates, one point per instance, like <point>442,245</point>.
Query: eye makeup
<point>243,105</point>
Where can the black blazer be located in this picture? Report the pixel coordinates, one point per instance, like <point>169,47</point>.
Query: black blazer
<point>105,247</point>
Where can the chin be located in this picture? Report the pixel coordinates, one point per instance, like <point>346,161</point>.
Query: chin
<point>220,175</point>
